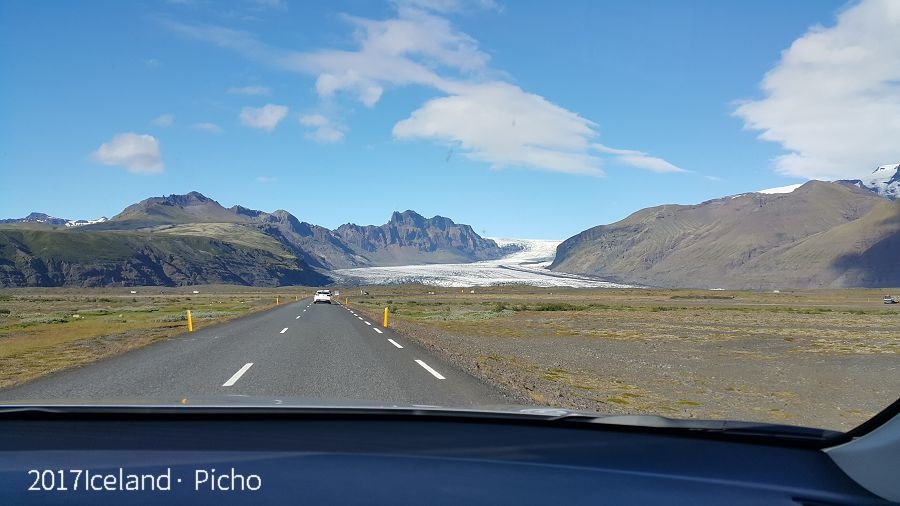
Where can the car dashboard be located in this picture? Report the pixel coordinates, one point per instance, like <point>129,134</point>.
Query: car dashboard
<point>364,457</point>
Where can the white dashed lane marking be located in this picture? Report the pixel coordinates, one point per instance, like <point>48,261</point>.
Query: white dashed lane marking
<point>376,330</point>
<point>429,369</point>
<point>232,380</point>
<point>283,330</point>
<point>395,343</point>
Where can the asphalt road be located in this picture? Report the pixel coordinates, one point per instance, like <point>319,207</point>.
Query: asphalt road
<point>314,352</point>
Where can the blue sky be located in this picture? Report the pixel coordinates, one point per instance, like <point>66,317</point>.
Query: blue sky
<point>524,119</point>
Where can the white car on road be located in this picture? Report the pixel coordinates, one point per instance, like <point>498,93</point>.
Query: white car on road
<point>322,296</point>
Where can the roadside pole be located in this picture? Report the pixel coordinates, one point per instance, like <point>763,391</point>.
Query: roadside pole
<point>385,317</point>
<point>190,321</point>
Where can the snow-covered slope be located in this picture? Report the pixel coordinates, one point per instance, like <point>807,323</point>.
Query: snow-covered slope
<point>531,250</point>
<point>884,180</point>
<point>527,266</point>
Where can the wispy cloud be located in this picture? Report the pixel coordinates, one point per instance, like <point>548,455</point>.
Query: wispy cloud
<point>139,153</point>
<point>480,112</point>
<point>152,63</point>
<point>265,118</point>
<point>638,159</point>
<point>447,6</point>
<point>323,131</point>
<point>250,90</point>
<point>164,120</point>
<point>279,5</point>
<point>266,179</point>
<point>833,99</point>
<point>207,127</point>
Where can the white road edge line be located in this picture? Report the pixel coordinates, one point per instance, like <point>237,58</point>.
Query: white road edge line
<point>429,369</point>
<point>395,343</point>
<point>232,380</point>
<point>367,323</point>
<point>376,330</point>
<point>297,318</point>
<point>283,330</point>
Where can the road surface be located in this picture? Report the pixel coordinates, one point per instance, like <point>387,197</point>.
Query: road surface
<point>304,351</point>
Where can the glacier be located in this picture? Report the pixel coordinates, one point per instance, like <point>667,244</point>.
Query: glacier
<point>526,266</point>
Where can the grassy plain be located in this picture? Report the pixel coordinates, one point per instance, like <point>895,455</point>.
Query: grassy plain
<point>45,330</point>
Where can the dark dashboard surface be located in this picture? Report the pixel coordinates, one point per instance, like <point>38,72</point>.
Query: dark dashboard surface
<point>378,459</point>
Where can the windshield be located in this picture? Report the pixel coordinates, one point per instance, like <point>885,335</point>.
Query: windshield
<point>678,209</point>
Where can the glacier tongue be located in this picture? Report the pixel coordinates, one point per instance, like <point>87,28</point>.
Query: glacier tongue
<point>528,266</point>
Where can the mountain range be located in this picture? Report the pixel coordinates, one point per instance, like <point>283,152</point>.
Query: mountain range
<point>50,220</point>
<point>819,234</point>
<point>192,239</point>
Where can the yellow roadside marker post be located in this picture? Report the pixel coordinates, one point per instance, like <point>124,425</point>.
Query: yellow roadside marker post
<point>190,321</point>
<point>276,301</point>
<point>385,317</point>
<point>345,301</point>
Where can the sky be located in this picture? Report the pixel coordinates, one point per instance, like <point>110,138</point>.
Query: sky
<point>525,119</point>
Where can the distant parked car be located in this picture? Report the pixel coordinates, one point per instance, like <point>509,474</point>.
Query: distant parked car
<point>322,296</point>
<point>889,300</point>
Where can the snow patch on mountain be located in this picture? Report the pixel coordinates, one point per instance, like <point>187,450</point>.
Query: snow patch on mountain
<point>527,266</point>
<point>81,223</point>
<point>781,189</point>
<point>885,181</point>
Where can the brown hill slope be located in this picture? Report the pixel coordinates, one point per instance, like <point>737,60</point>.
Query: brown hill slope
<point>820,235</point>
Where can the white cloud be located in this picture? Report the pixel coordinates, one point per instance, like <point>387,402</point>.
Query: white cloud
<point>638,159</point>
<point>503,125</point>
<point>266,179</point>
<point>265,118</point>
<point>139,153</point>
<point>152,63</point>
<point>479,112</point>
<point>326,135</point>
<point>207,127</point>
<point>164,120</point>
<point>323,130</point>
<point>313,120</point>
<point>833,100</point>
<point>250,90</point>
